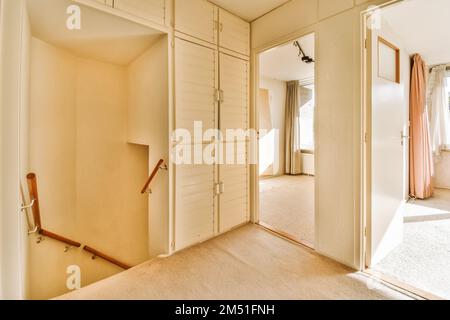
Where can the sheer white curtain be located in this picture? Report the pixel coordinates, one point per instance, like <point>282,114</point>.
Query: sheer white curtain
<point>439,110</point>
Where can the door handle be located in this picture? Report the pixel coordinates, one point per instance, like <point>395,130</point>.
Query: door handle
<point>403,137</point>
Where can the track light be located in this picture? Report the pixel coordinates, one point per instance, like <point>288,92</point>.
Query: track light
<point>306,59</point>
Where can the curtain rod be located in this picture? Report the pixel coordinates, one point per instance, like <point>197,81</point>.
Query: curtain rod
<point>447,68</point>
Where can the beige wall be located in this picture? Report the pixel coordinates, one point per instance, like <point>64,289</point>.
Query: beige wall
<point>148,124</point>
<point>277,100</point>
<point>13,82</point>
<point>89,177</point>
<point>2,295</point>
<point>24,155</point>
<point>338,125</point>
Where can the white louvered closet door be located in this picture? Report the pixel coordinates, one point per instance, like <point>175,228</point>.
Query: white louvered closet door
<point>234,33</point>
<point>234,199</point>
<point>195,83</point>
<point>195,86</point>
<point>234,114</point>
<point>234,84</point>
<point>196,18</point>
<point>194,212</point>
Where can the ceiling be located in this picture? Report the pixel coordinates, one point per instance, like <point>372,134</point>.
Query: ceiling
<point>249,9</point>
<point>283,63</point>
<point>101,37</point>
<point>424,27</point>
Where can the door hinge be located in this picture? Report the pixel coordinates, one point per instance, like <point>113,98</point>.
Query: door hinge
<point>365,137</point>
<point>217,189</point>
<point>220,188</point>
<point>219,95</point>
<point>365,43</point>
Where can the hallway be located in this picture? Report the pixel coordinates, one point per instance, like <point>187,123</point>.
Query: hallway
<point>248,263</point>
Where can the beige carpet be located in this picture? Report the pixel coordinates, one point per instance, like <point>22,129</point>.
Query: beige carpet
<point>248,263</point>
<point>287,205</point>
<point>423,259</point>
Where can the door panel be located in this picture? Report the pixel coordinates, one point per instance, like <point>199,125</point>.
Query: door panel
<point>234,77</point>
<point>234,33</point>
<point>197,19</point>
<point>194,220</point>
<point>389,151</point>
<point>234,197</point>
<point>195,86</point>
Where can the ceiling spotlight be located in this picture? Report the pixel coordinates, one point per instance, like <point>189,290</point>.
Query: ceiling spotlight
<point>306,59</point>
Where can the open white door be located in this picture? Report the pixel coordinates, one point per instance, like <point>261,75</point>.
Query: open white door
<point>389,153</point>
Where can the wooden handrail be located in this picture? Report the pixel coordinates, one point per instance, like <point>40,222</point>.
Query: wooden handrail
<point>32,187</point>
<point>57,237</point>
<point>152,176</point>
<point>33,191</point>
<point>97,253</point>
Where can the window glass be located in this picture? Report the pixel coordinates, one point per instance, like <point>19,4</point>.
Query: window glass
<point>448,90</point>
<point>307,109</point>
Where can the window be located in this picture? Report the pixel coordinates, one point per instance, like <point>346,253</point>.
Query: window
<point>448,88</point>
<point>448,92</point>
<point>307,109</point>
<point>388,61</point>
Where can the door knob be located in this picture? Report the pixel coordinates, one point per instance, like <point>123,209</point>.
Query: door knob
<point>403,137</point>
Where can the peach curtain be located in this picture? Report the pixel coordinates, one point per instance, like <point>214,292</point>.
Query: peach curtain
<point>421,170</point>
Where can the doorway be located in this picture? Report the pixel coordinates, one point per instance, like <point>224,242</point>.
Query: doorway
<point>286,109</point>
<point>406,174</point>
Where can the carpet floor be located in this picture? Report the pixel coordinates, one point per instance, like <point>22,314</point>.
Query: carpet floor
<point>287,205</point>
<point>248,263</point>
<point>423,259</point>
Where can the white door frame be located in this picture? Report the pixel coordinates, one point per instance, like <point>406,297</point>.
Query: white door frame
<point>254,119</point>
<point>366,86</point>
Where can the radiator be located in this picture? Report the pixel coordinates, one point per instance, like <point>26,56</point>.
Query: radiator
<point>308,164</point>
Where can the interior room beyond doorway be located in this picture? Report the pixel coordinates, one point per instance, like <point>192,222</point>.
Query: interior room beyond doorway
<point>286,107</point>
<point>408,225</point>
